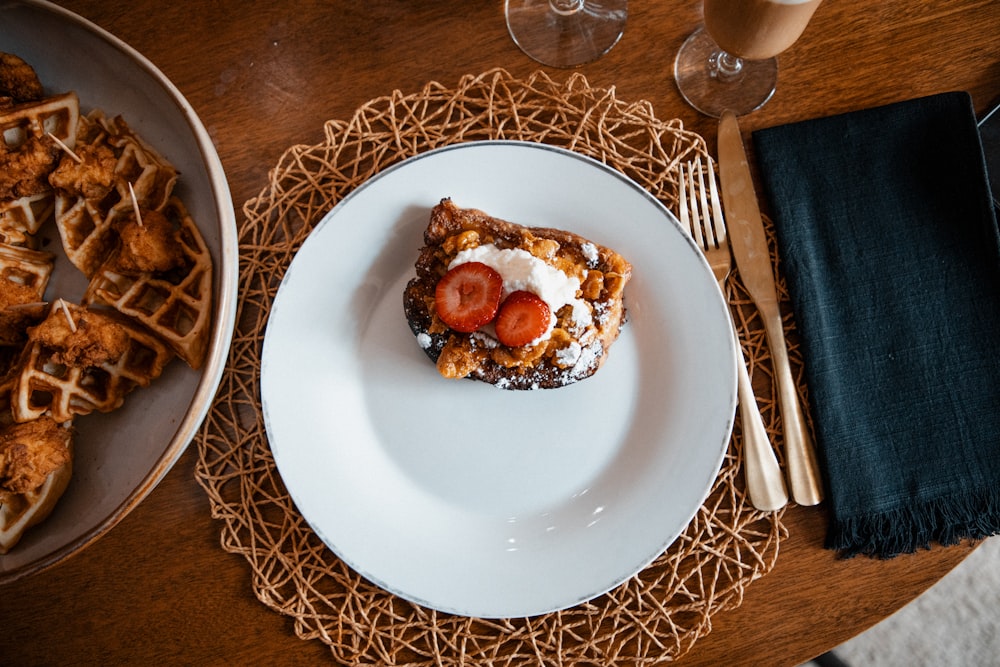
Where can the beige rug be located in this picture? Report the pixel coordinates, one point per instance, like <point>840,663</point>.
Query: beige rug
<point>955,623</point>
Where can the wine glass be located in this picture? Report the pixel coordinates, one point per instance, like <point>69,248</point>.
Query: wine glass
<point>566,33</point>
<point>730,62</point>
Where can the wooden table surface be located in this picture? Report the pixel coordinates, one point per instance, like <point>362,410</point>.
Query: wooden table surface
<point>264,76</point>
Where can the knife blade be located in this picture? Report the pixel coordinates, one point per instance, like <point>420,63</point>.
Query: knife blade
<point>748,243</point>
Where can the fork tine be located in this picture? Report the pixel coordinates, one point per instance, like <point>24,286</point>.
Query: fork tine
<point>705,218</point>
<point>696,210</point>
<point>705,221</point>
<point>682,204</point>
<point>718,223</point>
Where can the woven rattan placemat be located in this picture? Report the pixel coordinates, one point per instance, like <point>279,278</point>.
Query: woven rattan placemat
<point>654,617</point>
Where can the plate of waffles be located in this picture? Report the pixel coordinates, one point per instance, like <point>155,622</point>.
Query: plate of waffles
<point>475,497</point>
<point>118,272</point>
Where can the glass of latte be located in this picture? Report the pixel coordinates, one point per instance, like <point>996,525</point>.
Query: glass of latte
<point>730,62</point>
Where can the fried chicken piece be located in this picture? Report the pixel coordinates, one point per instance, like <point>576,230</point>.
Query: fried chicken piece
<point>18,81</point>
<point>29,452</point>
<point>151,247</point>
<point>91,340</point>
<point>92,178</point>
<point>25,169</point>
<point>14,293</point>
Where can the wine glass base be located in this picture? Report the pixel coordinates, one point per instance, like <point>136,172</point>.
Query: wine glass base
<point>566,33</point>
<point>712,91</point>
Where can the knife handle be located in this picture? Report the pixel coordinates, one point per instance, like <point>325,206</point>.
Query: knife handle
<point>800,454</point>
<point>765,483</point>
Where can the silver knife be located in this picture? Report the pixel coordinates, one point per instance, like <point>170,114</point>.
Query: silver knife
<point>749,245</point>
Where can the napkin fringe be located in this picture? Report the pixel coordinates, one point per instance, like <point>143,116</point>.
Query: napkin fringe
<point>946,521</point>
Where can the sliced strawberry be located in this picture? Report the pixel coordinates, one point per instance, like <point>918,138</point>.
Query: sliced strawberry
<point>468,295</point>
<point>523,317</point>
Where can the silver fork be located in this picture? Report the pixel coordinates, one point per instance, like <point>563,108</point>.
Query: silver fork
<point>701,215</point>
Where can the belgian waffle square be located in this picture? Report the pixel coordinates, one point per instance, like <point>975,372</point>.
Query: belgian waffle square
<point>24,275</point>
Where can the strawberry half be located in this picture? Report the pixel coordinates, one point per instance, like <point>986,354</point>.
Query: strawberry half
<point>468,295</point>
<point>523,317</point>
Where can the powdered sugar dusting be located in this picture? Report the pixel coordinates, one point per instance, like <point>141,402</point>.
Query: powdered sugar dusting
<point>569,355</point>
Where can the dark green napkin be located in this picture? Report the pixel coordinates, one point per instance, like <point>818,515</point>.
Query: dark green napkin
<point>888,242</point>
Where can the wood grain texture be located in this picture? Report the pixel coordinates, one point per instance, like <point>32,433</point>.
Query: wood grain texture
<point>159,589</point>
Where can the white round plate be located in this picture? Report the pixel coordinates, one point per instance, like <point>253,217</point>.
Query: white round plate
<point>467,498</point>
<point>120,457</point>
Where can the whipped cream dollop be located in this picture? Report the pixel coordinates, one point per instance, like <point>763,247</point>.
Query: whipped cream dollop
<point>521,270</point>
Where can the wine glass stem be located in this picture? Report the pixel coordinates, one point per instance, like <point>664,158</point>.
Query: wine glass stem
<point>725,66</point>
<point>566,7</point>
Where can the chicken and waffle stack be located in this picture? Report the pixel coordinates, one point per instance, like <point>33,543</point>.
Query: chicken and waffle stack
<point>93,194</point>
<point>149,297</point>
<point>166,285</point>
<point>79,360</point>
<point>36,463</point>
<point>32,132</point>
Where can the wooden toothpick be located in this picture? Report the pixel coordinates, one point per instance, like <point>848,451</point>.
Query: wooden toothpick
<point>135,205</point>
<point>69,316</point>
<point>79,160</point>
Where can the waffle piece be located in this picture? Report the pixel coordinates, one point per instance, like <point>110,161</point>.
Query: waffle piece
<point>86,222</point>
<point>175,302</point>
<point>583,329</point>
<point>36,463</point>
<point>25,129</point>
<point>20,511</point>
<point>79,360</point>
<point>24,274</point>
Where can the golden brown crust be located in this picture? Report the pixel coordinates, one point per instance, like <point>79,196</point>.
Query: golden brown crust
<point>577,345</point>
<point>18,80</point>
<point>24,170</point>
<point>81,337</point>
